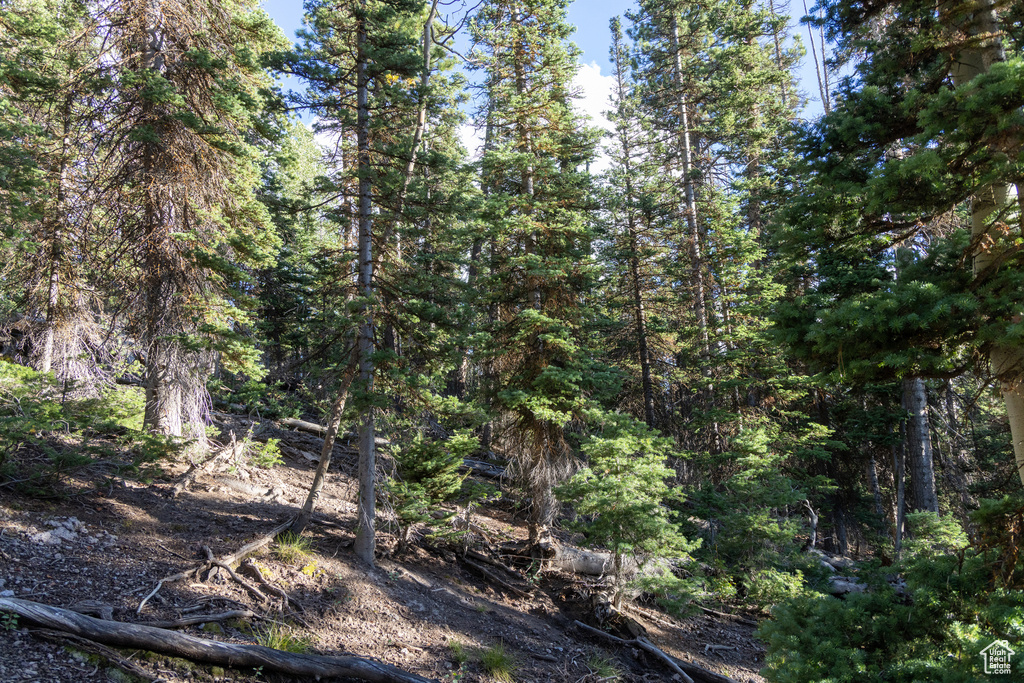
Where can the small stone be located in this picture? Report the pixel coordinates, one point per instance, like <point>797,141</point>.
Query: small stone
<point>7,594</point>
<point>213,628</point>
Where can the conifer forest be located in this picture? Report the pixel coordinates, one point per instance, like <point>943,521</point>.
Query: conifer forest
<point>297,382</point>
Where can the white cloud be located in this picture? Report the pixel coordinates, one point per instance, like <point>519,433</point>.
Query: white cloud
<point>595,93</point>
<point>472,139</point>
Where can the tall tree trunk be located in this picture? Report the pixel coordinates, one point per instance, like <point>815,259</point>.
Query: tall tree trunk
<point>366,540</point>
<point>992,206</point>
<point>898,462</point>
<point>639,313</point>
<point>686,153</point>
<point>337,410</point>
<point>919,446</point>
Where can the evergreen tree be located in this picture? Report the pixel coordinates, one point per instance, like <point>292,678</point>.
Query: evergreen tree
<point>913,138</point>
<point>539,237</point>
<point>53,75</point>
<point>181,191</point>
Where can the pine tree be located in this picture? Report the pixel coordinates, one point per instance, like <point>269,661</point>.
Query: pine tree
<point>181,190</point>
<point>539,238</point>
<point>913,138</point>
<point>53,78</point>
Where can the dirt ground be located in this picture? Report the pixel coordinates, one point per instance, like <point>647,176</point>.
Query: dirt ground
<point>106,542</point>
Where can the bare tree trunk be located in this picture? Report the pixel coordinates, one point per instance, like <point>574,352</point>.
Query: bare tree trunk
<point>366,541</point>
<point>639,312</point>
<point>919,445</point>
<point>993,207</point>
<point>337,410</point>
<point>898,467</point>
<point>59,217</point>
<point>876,490</point>
<point>699,290</point>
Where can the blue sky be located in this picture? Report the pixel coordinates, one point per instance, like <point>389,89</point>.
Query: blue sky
<point>592,35</point>
<point>589,16</point>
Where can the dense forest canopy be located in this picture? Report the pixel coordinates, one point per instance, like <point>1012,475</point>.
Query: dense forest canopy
<point>753,336</point>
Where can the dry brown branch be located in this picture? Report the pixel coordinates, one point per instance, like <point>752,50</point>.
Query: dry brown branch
<point>229,452</point>
<point>201,619</point>
<point>641,643</point>
<point>119,634</point>
<point>231,559</point>
<point>491,576</point>
<point>691,670</point>
<point>258,575</point>
<point>733,617</point>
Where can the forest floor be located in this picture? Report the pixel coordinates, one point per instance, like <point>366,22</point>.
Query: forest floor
<point>109,540</point>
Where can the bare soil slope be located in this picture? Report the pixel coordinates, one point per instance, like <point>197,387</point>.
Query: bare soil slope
<point>107,541</point>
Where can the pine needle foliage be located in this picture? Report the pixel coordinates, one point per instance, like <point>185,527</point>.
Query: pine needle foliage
<point>957,601</point>
<point>621,496</point>
<point>428,475</point>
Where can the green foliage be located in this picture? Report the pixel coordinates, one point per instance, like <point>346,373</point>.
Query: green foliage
<point>282,637</point>
<point>622,492</point>
<point>955,604</point>
<point>428,475</point>
<point>44,432</point>
<point>768,587</point>
<point>8,621</point>
<point>603,668</point>
<point>458,652</point>
<point>292,548</point>
<point>266,455</point>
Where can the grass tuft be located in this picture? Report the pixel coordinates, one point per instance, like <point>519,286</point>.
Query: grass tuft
<point>603,668</point>
<point>459,654</point>
<point>498,662</point>
<point>291,548</point>
<point>282,638</point>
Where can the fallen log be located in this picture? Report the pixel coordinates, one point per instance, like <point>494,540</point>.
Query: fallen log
<point>691,671</point>
<point>319,430</point>
<point>230,452</point>
<point>119,634</point>
<point>483,469</point>
<point>644,645</point>
<point>304,426</point>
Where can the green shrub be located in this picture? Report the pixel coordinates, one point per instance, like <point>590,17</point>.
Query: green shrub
<point>428,475</point>
<point>621,498</point>
<point>766,587</point>
<point>955,603</point>
<point>265,455</point>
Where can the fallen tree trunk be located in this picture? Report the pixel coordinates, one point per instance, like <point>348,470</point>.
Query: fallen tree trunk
<point>119,634</point>
<point>688,668</point>
<point>483,469</point>
<point>304,426</point>
<point>320,430</point>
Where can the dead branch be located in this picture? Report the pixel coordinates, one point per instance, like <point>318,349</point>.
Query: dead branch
<point>201,619</point>
<point>491,576</point>
<point>641,643</point>
<point>231,559</point>
<point>734,617</point>
<point>258,575</point>
<point>691,670</point>
<point>119,634</point>
<point>230,451</point>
